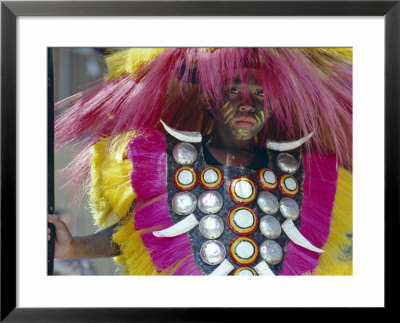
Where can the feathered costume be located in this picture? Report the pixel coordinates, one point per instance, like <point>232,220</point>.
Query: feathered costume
<point>307,90</point>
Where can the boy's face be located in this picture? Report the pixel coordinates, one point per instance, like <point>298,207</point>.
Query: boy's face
<point>242,113</point>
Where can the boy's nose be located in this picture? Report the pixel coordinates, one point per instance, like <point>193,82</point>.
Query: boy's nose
<point>246,108</point>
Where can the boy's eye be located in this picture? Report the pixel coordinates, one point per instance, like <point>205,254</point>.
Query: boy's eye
<point>260,93</point>
<point>235,90</point>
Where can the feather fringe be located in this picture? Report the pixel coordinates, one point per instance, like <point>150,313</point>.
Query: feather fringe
<point>110,199</point>
<point>110,195</point>
<point>134,258</point>
<point>165,252</point>
<point>148,155</point>
<point>337,260</point>
<point>319,191</point>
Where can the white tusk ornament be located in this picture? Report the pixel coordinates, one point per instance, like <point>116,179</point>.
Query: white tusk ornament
<point>223,269</point>
<point>178,228</point>
<point>287,145</point>
<point>263,269</point>
<point>188,136</point>
<point>294,234</point>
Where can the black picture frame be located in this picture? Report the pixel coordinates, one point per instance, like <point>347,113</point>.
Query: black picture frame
<point>11,10</point>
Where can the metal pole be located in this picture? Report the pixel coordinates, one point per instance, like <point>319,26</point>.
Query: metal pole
<point>50,158</point>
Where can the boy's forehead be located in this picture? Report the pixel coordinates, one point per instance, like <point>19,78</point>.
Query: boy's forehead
<point>248,79</point>
<point>246,76</point>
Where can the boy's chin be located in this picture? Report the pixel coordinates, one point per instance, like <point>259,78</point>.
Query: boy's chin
<point>241,136</point>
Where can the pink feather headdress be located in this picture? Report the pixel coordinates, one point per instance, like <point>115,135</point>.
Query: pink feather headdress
<point>306,90</point>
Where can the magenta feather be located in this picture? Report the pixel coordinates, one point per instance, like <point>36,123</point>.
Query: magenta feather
<point>319,190</point>
<point>147,151</point>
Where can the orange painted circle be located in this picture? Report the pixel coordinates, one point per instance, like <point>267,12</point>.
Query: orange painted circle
<point>269,184</point>
<point>187,185</point>
<point>238,225</point>
<point>240,195</point>
<point>214,184</point>
<point>243,251</point>
<point>288,185</point>
<point>242,269</point>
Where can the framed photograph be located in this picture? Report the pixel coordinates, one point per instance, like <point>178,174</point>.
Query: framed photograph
<point>30,29</point>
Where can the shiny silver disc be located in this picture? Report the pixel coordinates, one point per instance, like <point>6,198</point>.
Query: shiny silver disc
<point>287,163</point>
<point>210,202</point>
<point>184,203</point>
<point>271,252</point>
<point>211,226</point>
<point>289,208</point>
<point>212,252</point>
<point>184,153</point>
<point>270,227</point>
<point>268,202</point>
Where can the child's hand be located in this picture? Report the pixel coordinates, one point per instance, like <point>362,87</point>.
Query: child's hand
<point>64,241</point>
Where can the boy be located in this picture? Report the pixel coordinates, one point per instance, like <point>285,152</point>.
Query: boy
<point>209,198</point>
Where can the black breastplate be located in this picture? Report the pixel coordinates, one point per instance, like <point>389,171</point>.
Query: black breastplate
<point>247,196</point>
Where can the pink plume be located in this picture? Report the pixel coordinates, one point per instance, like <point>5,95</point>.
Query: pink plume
<point>319,192</point>
<point>147,152</point>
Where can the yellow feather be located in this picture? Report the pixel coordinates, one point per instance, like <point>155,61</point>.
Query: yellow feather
<point>134,257</point>
<point>111,197</point>
<point>111,194</point>
<point>337,258</point>
<point>344,51</point>
<point>129,61</point>
<point>100,206</point>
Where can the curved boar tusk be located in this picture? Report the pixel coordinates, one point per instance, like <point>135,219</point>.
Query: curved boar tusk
<point>178,228</point>
<point>223,269</point>
<point>263,269</point>
<point>287,145</point>
<point>294,234</point>
<point>187,136</point>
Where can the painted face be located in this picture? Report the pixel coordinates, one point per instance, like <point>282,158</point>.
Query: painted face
<point>243,109</point>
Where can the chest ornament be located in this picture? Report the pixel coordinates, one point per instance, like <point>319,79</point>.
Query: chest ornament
<point>238,220</point>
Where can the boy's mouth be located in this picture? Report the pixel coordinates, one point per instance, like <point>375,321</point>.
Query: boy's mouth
<point>245,122</point>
